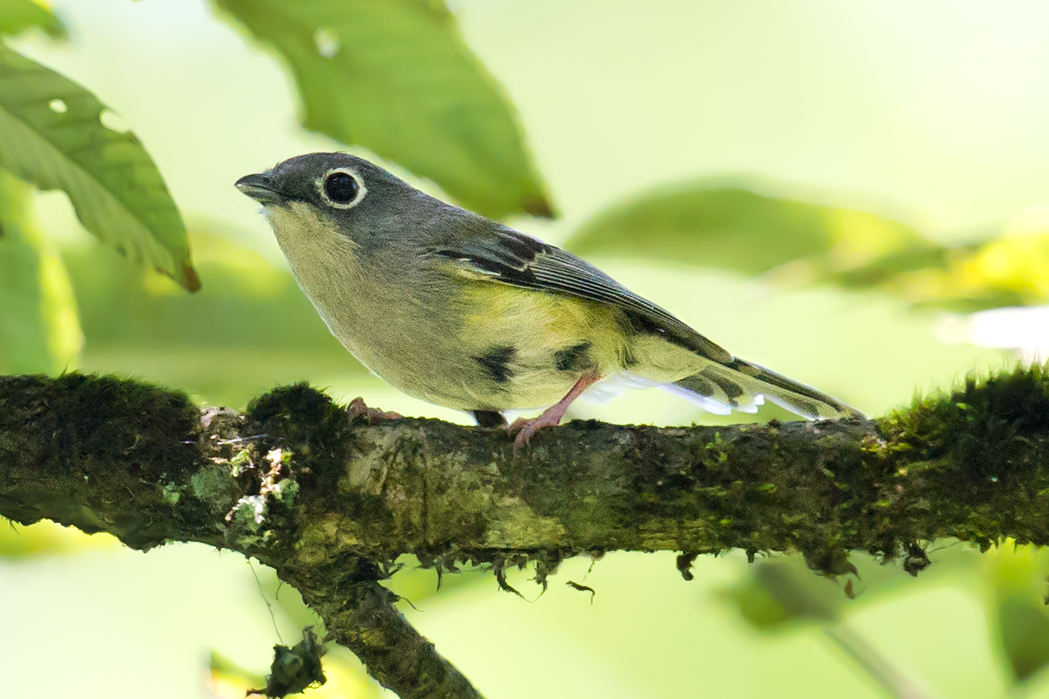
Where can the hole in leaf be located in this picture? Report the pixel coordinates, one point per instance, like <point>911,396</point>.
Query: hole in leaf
<point>114,122</point>
<point>58,106</point>
<point>327,42</point>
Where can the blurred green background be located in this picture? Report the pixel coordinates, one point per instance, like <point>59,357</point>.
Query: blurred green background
<point>643,120</point>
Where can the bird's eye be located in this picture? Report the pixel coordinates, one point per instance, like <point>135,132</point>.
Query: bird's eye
<point>340,188</point>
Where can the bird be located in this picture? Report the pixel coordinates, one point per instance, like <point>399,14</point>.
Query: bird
<point>467,313</point>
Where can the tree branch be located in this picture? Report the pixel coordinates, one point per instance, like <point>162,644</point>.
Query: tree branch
<point>330,504</point>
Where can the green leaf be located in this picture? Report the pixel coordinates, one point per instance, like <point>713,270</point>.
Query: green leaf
<point>737,229</point>
<point>227,672</point>
<point>18,15</point>
<point>1017,581</point>
<point>51,135</point>
<point>795,243</point>
<point>1007,271</point>
<point>46,538</point>
<point>395,77</point>
<point>39,329</point>
<point>781,592</point>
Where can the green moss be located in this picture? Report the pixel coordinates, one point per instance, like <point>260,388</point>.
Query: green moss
<point>285,491</point>
<point>247,518</point>
<point>313,428</point>
<point>713,455</point>
<point>970,462</point>
<point>983,430</point>
<point>64,430</point>
<point>170,493</point>
<point>212,484</point>
<point>240,462</point>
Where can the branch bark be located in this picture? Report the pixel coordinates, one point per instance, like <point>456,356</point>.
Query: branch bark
<point>330,503</point>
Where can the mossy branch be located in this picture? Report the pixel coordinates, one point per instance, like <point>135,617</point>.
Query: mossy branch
<point>330,503</point>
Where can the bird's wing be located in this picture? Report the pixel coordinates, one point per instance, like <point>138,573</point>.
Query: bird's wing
<point>501,254</point>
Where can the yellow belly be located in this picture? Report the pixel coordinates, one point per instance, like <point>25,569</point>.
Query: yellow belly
<point>540,327</point>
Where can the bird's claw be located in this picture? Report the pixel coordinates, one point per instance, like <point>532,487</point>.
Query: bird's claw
<point>524,428</point>
<point>358,408</point>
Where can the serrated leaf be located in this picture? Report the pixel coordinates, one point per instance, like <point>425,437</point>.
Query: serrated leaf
<point>18,15</point>
<point>51,135</point>
<point>1017,580</point>
<point>737,229</point>
<point>395,77</point>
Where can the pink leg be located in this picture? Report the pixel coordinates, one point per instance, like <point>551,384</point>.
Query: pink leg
<point>358,407</point>
<point>550,417</point>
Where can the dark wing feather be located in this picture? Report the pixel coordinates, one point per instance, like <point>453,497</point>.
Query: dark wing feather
<point>508,256</point>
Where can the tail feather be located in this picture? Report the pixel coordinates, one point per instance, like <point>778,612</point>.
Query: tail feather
<point>741,385</point>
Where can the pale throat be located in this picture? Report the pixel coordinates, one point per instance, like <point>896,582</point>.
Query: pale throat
<point>324,262</point>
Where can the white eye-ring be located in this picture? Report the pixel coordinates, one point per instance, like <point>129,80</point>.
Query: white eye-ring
<point>341,188</point>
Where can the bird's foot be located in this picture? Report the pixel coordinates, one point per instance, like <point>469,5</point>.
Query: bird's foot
<point>551,417</point>
<point>358,408</point>
<point>524,428</point>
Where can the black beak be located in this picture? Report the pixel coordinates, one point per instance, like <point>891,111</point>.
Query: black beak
<point>260,188</point>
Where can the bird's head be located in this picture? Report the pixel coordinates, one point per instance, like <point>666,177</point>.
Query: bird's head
<point>323,198</point>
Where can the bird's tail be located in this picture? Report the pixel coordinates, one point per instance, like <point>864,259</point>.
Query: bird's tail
<point>740,385</point>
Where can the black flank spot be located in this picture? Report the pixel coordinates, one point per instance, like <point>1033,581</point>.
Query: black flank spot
<point>574,358</point>
<point>496,363</point>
